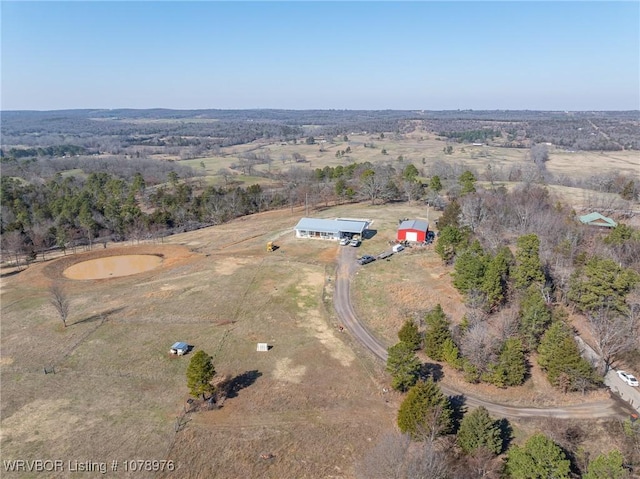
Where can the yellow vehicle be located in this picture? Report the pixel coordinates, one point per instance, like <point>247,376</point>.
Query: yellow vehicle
<point>271,246</point>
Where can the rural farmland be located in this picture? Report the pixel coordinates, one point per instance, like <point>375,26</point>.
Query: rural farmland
<point>117,257</point>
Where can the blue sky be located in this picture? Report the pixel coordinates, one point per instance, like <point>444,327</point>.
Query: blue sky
<point>328,55</point>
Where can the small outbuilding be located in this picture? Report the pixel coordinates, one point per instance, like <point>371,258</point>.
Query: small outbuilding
<point>180,348</point>
<point>413,230</point>
<point>596,219</point>
<point>330,229</point>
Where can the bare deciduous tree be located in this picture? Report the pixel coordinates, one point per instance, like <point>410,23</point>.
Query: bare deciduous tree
<point>14,242</point>
<point>60,301</point>
<point>615,333</point>
<point>539,154</point>
<point>396,457</point>
<point>482,463</point>
<point>428,462</point>
<point>473,211</point>
<point>506,324</point>
<point>373,182</point>
<point>479,345</point>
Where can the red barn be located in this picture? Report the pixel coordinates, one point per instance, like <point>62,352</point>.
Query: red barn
<point>413,230</point>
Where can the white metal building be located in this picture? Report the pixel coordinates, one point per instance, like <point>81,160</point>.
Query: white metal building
<point>330,229</point>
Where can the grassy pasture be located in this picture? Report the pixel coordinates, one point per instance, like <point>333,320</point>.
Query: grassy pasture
<point>312,401</point>
<point>422,149</point>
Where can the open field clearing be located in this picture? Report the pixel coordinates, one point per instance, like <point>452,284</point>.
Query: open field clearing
<point>420,148</point>
<point>314,401</point>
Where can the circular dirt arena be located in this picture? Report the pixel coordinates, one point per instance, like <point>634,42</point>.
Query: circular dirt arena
<point>113,266</point>
<point>111,263</point>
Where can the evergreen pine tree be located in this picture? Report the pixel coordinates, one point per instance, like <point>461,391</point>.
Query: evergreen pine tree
<point>200,372</point>
<point>534,317</point>
<point>435,184</point>
<point>450,240</point>
<point>477,430</point>
<point>496,276</point>
<point>410,334</point>
<point>607,466</point>
<point>469,269</point>
<point>559,356</point>
<point>538,458</point>
<point>436,333</point>
<point>425,412</point>
<point>602,283</point>
<point>450,216</point>
<point>403,365</point>
<point>467,183</point>
<point>528,268</point>
<point>511,367</point>
<point>451,354</point>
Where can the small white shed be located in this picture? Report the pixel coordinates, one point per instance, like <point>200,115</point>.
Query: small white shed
<point>179,348</point>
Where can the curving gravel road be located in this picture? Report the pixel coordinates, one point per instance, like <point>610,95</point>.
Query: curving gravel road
<point>347,266</point>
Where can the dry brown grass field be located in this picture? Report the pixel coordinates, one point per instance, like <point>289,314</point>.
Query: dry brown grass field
<point>420,148</point>
<point>314,401</point>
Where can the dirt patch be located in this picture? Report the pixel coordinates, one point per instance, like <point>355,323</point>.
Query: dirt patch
<point>286,371</point>
<point>112,266</point>
<point>6,361</point>
<point>168,256</point>
<point>328,338</point>
<point>228,266</point>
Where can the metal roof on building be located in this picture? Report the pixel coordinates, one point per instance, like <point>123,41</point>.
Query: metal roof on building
<point>331,226</point>
<point>596,219</point>
<point>420,225</point>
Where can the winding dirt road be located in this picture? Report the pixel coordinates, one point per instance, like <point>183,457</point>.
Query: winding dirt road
<point>347,266</point>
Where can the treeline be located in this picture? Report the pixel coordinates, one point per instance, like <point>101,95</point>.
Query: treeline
<point>575,132</point>
<point>521,261</point>
<point>439,439</point>
<point>470,136</point>
<point>110,130</point>
<point>39,169</point>
<point>54,151</point>
<point>65,212</point>
<point>86,130</point>
<point>122,199</point>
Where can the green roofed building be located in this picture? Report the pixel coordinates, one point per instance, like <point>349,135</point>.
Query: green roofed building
<point>596,219</point>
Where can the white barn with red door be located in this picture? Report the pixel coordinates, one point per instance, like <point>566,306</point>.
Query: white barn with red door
<point>413,230</point>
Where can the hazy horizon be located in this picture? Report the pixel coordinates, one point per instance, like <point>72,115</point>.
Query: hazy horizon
<point>315,109</point>
<point>412,56</point>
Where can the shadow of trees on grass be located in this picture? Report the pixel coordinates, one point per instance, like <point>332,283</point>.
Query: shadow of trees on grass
<point>241,381</point>
<point>102,316</point>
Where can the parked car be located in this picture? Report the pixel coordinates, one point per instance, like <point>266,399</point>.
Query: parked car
<point>628,378</point>
<point>430,237</point>
<point>354,242</point>
<point>344,241</point>
<point>366,259</point>
<point>397,248</point>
